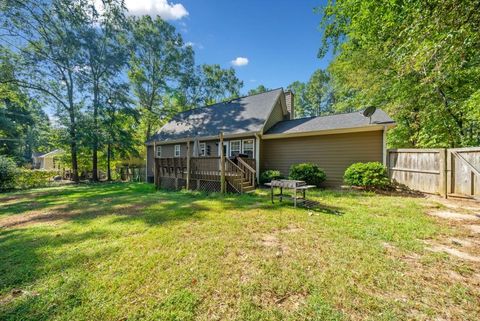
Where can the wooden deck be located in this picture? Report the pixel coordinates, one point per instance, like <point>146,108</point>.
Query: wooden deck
<point>205,173</point>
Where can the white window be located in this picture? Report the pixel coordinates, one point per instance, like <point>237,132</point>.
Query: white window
<point>159,151</point>
<point>248,148</point>
<point>176,151</point>
<point>203,149</point>
<point>235,147</point>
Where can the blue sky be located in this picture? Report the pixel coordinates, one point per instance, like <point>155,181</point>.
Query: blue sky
<point>280,39</point>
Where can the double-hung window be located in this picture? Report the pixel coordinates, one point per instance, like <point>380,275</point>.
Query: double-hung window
<point>176,151</point>
<point>235,147</point>
<point>203,149</point>
<point>159,151</point>
<point>248,148</point>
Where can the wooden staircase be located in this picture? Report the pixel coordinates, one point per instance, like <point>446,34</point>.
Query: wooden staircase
<point>242,177</point>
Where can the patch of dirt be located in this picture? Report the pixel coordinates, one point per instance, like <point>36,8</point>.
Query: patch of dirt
<point>473,228</point>
<point>454,252</point>
<point>17,197</point>
<point>271,241</point>
<point>56,214</point>
<point>289,302</point>
<point>15,293</point>
<point>457,204</point>
<point>292,229</point>
<point>465,242</point>
<point>453,215</point>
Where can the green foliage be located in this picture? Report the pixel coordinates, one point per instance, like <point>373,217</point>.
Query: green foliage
<point>27,178</point>
<point>417,60</point>
<point>217,84</point>
<point>160,64</point>
<point>260,89</point>
<point>269,175</point>
<point>308,172</point>
<point>312,98</point>
<point>369,175</point>
<point>8,172</point>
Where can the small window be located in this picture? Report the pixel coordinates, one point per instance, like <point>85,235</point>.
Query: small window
<point>248,147</point>
<point>203,149</point>
<point>177,151</point>
<point>159,151</point>
<point>235,147</point>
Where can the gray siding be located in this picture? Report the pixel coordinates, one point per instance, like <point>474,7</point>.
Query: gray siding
<point>333,153</point>
<point>150,162</point>
<point>168,149</point>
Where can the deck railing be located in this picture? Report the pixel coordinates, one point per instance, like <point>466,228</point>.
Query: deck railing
<point>237,172</point>
<point>207,168</point>
<point>249,174</point>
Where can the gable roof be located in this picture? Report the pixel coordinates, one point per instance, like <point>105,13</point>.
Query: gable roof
<point>330,122</point>
<point>52,153</point>
<point>242,115</point>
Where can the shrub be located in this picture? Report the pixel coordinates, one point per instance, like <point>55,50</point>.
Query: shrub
<point>368,175</point>
<point>34,178</point>
<point>308,172</point>
<point>269,175</point>
<point>8,172</point>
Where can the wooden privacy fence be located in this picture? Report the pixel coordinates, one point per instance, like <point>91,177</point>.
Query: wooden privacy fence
<point>447,172</point>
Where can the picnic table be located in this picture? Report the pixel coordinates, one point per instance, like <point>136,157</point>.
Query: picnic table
<point>295,185</point>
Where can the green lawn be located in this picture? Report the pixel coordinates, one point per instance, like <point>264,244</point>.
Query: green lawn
<point>128,252</point>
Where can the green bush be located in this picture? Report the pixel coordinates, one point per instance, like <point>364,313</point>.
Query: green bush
<point>269,175</point>
<point>308,172</point>
<point>34,178</point>
<point>368,175</point>
<point>8,172</point>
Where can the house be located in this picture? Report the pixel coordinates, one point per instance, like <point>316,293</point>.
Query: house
<point>47,161</point>
<point>262,128</point>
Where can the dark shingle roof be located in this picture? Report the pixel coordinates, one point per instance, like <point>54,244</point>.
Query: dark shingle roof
<point>241,115</point>
<point>330,122</point>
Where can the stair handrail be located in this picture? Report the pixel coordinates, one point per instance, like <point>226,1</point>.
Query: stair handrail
<point>250,176</point>
<point>246,165</point>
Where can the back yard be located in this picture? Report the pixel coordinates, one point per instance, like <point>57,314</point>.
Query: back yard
<point>127,252</point>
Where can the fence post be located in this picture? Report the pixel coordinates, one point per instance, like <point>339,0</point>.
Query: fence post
<point>222,165</point>
<point>449,172</point>
<point>442,189</point>
<point>188,165</point>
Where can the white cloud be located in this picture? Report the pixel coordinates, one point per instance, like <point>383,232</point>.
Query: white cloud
<point>240,61</point>
<point>162,8</point>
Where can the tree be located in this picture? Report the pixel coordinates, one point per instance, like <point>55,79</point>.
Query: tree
<point>45,34</point>
<point>418,60</point>
<point>313,98</point>
<point>104,56</point>
<point>260,89</point>
<point>316,93</point>
<point>216,84</point>
<point>159,65</point>
<point>119,121</point>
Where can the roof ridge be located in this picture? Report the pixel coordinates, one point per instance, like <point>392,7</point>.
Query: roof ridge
<point>329,115</point>
<point>224,102</point>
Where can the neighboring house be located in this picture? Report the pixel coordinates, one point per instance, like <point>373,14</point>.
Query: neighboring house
<point>47,161</point>
<point>264,127</point>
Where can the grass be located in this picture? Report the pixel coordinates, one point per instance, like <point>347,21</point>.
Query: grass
<point>128,252</point>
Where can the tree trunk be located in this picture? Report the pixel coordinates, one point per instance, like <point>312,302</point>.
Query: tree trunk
<point>95,136</point>
<point>72,130</point>
<point>73,151</point>
<point>109,175</point>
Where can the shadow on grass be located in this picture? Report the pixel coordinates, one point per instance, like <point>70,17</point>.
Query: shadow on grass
<point>137,201</point>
